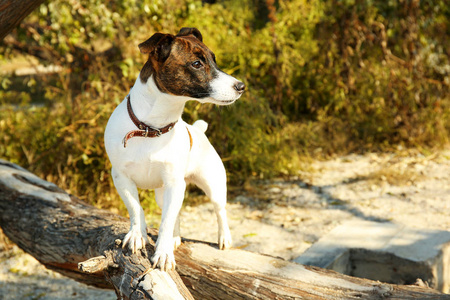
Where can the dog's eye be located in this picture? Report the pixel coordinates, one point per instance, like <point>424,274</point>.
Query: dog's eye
<point>197,64</point>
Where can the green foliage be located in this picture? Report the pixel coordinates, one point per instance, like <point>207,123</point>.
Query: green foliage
<point>323,77</point>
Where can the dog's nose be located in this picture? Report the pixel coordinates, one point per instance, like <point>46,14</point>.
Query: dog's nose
<point>239,86</point>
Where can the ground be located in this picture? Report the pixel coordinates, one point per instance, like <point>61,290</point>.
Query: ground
<point>284,217</point>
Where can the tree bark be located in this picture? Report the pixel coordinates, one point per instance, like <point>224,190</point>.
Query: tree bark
<point>12,12</point>
<point>84,243</point>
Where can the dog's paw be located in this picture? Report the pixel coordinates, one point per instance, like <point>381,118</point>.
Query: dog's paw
<point>135,240</point>
<point>225,240</point>
<point>163,260</point>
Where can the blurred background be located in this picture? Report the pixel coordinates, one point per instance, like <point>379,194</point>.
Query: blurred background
<point>324,78</point>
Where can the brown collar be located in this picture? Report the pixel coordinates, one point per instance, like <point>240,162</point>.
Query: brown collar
<point>144,129</point>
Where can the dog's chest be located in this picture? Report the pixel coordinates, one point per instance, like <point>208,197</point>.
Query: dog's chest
<point>150,165</point>
<point>146,174</point>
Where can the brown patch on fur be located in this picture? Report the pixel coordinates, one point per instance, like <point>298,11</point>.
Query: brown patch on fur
<point>158,47</point>
<point>178,73</point>
<point>146,72</point>
<point>190,31</point>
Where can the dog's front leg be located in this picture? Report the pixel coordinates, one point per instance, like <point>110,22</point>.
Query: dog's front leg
<point>136,238</point>
<point>159,197</point>
<point>173,199</point>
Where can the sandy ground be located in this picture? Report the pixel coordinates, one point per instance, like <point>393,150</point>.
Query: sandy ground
<point>284,217</point>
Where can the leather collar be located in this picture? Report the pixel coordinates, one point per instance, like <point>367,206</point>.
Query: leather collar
<point>144,130</point>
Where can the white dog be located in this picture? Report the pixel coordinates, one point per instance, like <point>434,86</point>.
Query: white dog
<point>151,147</point>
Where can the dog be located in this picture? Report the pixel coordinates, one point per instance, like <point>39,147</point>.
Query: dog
<point>151,147</point>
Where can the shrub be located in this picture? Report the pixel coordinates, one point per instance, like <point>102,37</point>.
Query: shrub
<point>333,76</point>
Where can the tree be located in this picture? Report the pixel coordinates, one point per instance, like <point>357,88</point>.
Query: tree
<point>12,12</point>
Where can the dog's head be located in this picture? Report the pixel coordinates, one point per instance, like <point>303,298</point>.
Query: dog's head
<point>182,65</point>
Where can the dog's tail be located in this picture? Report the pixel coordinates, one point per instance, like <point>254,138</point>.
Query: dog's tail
<point>200,124</point>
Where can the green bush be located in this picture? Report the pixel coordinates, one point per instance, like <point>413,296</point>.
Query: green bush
<point>323,77</point>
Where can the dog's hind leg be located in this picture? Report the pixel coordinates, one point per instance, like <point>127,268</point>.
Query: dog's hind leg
<point>176,234</point>
<point>224,237</point>
<point>159,197</point>
<point>136,238</point>
<point>212,180</point>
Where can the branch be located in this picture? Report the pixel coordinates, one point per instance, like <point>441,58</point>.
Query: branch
<point>12,12</point>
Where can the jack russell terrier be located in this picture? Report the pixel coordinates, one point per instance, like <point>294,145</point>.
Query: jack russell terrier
<point>151,147</point>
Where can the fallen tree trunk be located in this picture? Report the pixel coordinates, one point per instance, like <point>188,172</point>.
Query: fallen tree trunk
<point>83,242</point>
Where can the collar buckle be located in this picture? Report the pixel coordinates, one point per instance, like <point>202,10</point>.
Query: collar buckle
<point>157,131</point>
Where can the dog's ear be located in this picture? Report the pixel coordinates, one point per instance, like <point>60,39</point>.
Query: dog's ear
<point>190,31</point>
<point>158,45</point>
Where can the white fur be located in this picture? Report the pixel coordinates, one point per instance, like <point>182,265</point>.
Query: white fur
<point>200,124</point>
<point>166,164</point>
<point>223,91</point>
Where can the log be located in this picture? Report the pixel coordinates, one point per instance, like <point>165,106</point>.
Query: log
<point>12,12</point>
<point>61,232</point>
<point>84,243</point>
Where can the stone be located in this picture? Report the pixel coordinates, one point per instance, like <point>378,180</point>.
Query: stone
<point>386,252</point>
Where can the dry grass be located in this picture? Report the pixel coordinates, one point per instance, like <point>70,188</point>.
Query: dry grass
<point>401,169</point>
<point>394,175</point>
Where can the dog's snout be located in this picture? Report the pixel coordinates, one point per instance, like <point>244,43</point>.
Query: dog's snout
<point>239,86</point>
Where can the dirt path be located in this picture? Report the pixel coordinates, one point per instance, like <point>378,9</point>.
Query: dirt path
<point>414,191</point>
<point>284,218</point>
